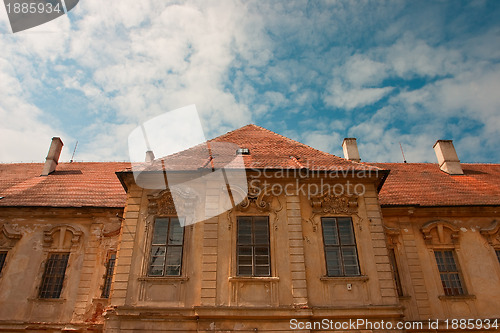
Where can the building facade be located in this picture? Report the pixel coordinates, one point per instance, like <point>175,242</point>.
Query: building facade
<point>308,242</point>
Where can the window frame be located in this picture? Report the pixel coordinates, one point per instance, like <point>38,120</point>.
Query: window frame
<point>462,290</point>
<point>253,245</point>
<point>108,274</point>
<point>44,289</point>
<point>340,246</point>
<point>3,260</point>
<point>395,271</point>
<point>151,244</point>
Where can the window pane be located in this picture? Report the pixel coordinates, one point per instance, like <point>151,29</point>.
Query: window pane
<point>160,231</point>
<point>346,232</point>
<point>330,233</point>
<point>166,248</point>
<point>3,255</point>
<point>333,261</point>
<point>110,266</point>
<point>244,230</point>
<point>450,276</point>
<point>253,255</point>
<point>350,258</point>
<point>340,247</point>
<point>176,233</point>
<point>53,276</point>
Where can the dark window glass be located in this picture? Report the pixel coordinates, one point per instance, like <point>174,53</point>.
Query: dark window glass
<point>450,275</point>
<point>53,275</point>
<point>110,267</point>
<point>253,254</point>
<point>340,246</point>
<point>166,247</point>
<point>3,255</point>
<point>395,271</point>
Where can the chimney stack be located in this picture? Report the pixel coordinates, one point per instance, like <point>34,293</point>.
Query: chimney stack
<point>447,157</point>
<point>53,156</point>
<point>150,156</point>
<point>350,148</point>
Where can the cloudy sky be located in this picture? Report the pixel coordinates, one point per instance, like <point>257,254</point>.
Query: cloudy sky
<point>385,72</point>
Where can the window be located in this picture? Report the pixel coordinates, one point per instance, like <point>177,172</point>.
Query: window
<point>53,276</point>
<point>253,249</point>
<point>110,267</point>
<point>498,254</point>
<point>448,270</point>
<point>340,246</point>
<point>3,255</point>
<point>395,271</point>
<point>166,247</point>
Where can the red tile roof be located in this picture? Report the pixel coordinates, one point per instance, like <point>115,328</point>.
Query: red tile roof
<point>94,184</point>
<point>425,184</point>
<point>77,184</point>
<point>268,150</point>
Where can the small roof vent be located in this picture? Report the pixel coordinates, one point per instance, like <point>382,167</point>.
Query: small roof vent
<point>242,151</point>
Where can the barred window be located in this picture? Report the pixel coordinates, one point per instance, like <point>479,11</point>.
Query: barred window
<point>166,247</point>
<point>253,249</point>
<point>3,255</point>
<point>110,267</point>
<point>395,271</point>
<point>53,275</point>
<point>449,272</point>
<point>340,247</point>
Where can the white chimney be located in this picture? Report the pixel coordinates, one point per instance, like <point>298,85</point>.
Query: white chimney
<point>53,156</point>
<point>150,156</point>
<point>350,148</point>
<point>447,157</point>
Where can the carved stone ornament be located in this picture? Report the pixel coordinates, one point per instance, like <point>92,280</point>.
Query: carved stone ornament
<point>174,202</point>
<point>333,204</point>
<point>62,237</point>
<point>392,235</point>
<point>492,233</point>
<point>258,198</point>
<point>162,204</point>
<point>8,237</point>
<point>440,233</point>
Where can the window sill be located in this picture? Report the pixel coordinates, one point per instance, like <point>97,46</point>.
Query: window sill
<point>457,297</point>
<point>253,278</point>
<point>48,300</point>
<point>164,278</point>
<point>357,278</point>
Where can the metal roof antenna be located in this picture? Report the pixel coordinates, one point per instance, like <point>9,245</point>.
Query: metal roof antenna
<point>402,152</point>
<point>74,150</point>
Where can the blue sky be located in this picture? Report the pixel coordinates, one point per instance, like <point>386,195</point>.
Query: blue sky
<point>385,72</point>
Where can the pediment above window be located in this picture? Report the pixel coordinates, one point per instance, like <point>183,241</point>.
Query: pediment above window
<point>8,237</point>
<point>440,233</point>
<point>62,237</point>
<point>492,233</point>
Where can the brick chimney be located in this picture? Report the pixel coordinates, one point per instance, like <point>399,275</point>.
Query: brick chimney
<point>52,157</point>
<point>447,157</point>
<point>350,148</point>
<point>150,156</point>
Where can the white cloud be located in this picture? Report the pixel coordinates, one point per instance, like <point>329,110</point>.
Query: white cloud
<point>342,97</point>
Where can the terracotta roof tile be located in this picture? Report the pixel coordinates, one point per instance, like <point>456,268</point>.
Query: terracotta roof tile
<point>77,184</point>
<point>426,185</point>
<point>268,150</point>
